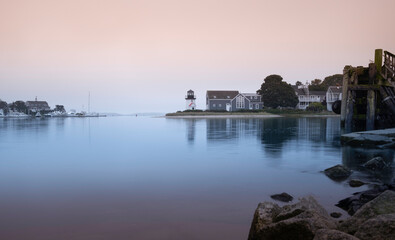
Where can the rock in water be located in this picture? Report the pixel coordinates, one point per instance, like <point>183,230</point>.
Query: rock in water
<point>330,234</point>
<point>283,197</point>
<point>337,173</point>
<point>335,214</point>
<point>355,183</point>
<point>297,221</point>
<point>383,204</point>
<point>378,228</point>
<point>377,163</point>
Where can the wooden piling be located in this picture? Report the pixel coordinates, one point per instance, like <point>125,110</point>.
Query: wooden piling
<point>346,80</point>
<point>349,110</point>
<point>371,110</point>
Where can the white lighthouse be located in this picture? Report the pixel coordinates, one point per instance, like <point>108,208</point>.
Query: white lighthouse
<point>190,100</point>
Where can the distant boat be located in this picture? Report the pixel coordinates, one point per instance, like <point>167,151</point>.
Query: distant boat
<point>38,114</point>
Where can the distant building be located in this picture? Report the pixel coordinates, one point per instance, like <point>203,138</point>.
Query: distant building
<point>36,106</point>
<point>232,101</point>
<point>190,100</point>
<point>333,94</point>
<point>305,96</point>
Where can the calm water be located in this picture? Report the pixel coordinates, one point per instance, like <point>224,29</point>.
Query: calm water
<point>157,178</point>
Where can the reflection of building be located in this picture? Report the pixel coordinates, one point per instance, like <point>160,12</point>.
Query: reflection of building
<point>36,106</point>
<point>191,126</point>
<point>232,101</point>
<point>333,94</point>
<point>305,96</point>
<point>190,100</point>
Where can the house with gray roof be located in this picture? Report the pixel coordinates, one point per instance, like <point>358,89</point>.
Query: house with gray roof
<point>333,94</point>
<point>232,101</point>
<point>305,96</point>
<point>37,106</point>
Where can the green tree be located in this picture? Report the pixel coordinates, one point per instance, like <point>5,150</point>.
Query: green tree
<point>277,93</point>
<point>18,106</point>
<point>59,108</point>
<point>315,107</point>
<point>4,106</point>
<point>298,83</point>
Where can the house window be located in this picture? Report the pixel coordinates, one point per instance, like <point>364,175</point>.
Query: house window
<point>240,102</point>
<point>251,106</point>
<point>213,104</point>
<point>220,105</point>
<point>257,106</point>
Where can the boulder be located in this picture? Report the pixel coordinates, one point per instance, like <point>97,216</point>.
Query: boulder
<point>355,202</point>
<point>378,228</point>
<point>282,197</point>
<point>377,163</point>
<point>335,214</point>
<point>330,234</point>
<point>355,183</point>
<point>383,204</point>
<point>337,173</point>
<point>297,221</point>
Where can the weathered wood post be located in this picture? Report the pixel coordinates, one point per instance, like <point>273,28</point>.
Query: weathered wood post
<point>346,79</point>
<point>378,61</point>
<point>349,110</point>
<point>371,110</point>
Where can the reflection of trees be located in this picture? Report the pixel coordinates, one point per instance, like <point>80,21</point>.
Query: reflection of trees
<point>354,158</point>
<point>274,132</point>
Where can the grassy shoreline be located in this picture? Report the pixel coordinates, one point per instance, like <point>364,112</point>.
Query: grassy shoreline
<point>265,113</point>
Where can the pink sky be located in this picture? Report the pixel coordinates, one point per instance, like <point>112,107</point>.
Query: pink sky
<point>140,56</point>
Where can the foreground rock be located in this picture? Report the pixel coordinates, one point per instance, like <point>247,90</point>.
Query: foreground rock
<point>378,228</point>
<point>377,163</point>
<point>383,204</point>
<point>355,183</point>
<point>377,138</point>
<point>337,173</point>
<point>330,234</point>
<point>355,202</point>
<point>298,221</point>
<point>283,197</point>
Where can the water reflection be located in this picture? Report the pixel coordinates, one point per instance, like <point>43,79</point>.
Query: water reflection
<point>272,132</point>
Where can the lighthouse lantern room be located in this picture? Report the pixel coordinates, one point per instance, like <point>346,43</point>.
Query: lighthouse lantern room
<point>190,100</point>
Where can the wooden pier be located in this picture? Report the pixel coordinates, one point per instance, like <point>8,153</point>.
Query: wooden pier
<point>368,97</point>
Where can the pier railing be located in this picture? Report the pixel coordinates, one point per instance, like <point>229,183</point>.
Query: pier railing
<point>389,65</point>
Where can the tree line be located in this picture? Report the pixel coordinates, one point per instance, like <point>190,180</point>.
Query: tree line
<point>277,93</point>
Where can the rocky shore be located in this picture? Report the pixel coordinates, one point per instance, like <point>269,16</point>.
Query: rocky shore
<point>372,212</point>
<point>307,219</point>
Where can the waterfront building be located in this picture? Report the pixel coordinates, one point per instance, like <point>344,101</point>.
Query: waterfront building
<point>305,96</point>
<point>333,94</point>
<point>36,106</point>
<point>231,101</point>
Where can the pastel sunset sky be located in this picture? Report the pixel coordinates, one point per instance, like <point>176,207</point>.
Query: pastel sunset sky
<point>143,55</point>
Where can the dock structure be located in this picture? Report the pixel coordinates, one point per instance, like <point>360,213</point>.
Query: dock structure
<point>368,101</point>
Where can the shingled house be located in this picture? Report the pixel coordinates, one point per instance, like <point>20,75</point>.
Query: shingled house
<point>37,106</point>
<point>232,101</point>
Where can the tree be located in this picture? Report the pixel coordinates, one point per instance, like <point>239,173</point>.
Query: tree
<point>277,93</point>
<point>60,108</point>
<point>18,106</point>
<point>4,107</point>
<point>298,83</point>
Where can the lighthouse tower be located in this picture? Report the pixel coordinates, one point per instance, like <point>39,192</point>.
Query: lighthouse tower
<point>190,100</point>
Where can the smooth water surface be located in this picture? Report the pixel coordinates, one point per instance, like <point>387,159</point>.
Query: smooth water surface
<point>157,178</point>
